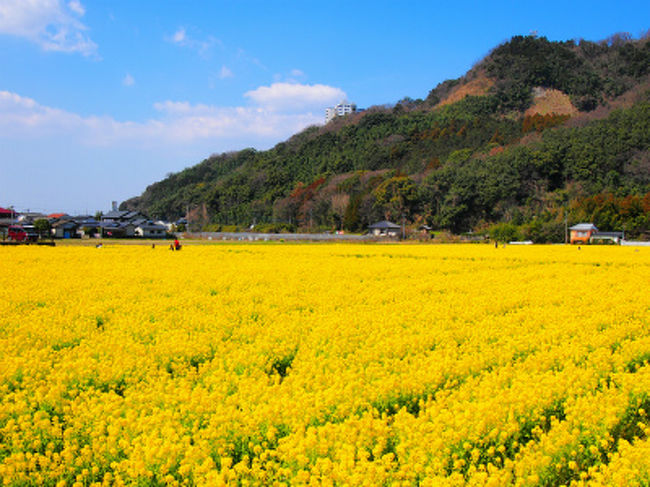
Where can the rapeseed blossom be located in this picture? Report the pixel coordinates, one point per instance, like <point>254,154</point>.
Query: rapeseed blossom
<point>324,364</point>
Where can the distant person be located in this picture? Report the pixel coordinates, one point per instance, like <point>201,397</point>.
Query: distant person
<point>177,245</point>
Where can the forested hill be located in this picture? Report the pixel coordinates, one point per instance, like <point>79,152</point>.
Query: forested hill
<point>536,131</point>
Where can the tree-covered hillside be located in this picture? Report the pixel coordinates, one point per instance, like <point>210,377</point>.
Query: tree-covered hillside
<point>463,158</point>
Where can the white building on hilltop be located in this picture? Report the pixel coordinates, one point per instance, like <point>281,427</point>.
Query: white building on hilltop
<point>339,110</point>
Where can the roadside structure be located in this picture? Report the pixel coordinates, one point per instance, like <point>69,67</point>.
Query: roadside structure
<point>607,237</point>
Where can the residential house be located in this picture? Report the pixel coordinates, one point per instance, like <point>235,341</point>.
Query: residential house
<point>168,225</point>
<point>384,229</point>
<point>121,216</point>
<point>7,218</point>
<point>88,227</point>
<point>582,232</point>
<point>30,217</point>
<point>64,229</point>
<point>426,232</point>
<point>149,229</point>
<point>116,229</point>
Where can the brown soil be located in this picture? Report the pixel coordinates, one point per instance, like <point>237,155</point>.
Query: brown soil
<point>477,87</point>
<point>548,101</point>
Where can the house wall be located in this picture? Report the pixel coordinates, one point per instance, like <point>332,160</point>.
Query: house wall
<point>604,239</point>
<point>145,233</point>
<point>580,236</point>
<point>378,232</point>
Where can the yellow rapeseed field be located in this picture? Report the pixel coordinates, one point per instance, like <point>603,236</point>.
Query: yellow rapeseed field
<point>279,364</point>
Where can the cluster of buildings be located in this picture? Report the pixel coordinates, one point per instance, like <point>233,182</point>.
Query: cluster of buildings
<point>114,224</point>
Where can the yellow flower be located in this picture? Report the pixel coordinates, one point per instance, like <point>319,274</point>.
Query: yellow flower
<point>321,365</point>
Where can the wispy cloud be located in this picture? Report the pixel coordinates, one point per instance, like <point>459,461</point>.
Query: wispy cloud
<point>77,8</point>
<point>128,80</point>
<point>295,76</point>
<point>243,55</point>
<point>179,36</point>
<point>52,24</point>
<point>225,72</point>
<point>202,46</point>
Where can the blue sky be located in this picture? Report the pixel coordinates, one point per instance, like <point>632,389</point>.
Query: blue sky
<point>99,98</point>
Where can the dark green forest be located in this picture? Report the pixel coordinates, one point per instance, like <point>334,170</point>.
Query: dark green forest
<point>481,164</point>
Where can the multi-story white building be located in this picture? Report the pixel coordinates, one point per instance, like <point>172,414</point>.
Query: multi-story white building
<point>339,110</point>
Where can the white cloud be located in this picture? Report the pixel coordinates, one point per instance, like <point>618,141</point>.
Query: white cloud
<point>128,80</point>
<point>21,116</point>
<point>181,108</point>
<point>295,96</point>
<point>178,123</point>
<point>57,149</point>
<point>225,72</point>
<point>184,122</point>
<point>51,24</point>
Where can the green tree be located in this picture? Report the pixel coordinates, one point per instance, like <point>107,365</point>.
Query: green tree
<point>397,197</point>
<point>42,227</point>
<point>504,232</point>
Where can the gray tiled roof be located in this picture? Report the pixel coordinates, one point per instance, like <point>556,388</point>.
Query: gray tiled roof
<point>584,226</point>
<point>152,226</point>
<point>384,225</point>
<point>115,214</point>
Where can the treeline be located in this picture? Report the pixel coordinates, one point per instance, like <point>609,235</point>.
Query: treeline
<point>251,182</point>
<point>540,182</point>
<point>629,214</point>
<point>464,166</point>
<point>527,182</point>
